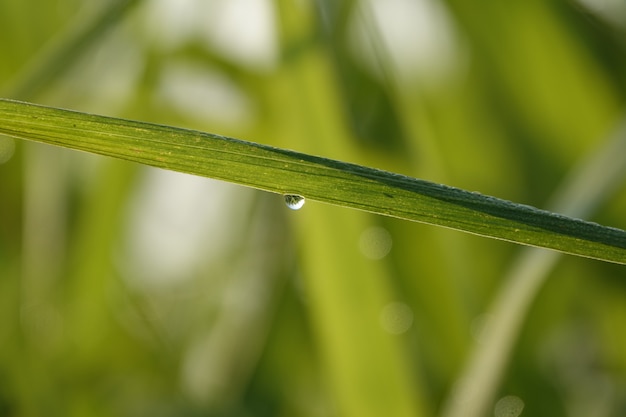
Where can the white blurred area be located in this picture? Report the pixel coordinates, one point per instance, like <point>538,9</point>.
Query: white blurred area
<point>203,95</point>
<point>240,30</point>
<point>177,221</point>
<point>613,11</point>
<point>416,39</point>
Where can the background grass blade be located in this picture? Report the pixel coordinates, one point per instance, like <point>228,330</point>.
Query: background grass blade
<point>596,179</point>
<point>58,55</point>
<point>316,178</point>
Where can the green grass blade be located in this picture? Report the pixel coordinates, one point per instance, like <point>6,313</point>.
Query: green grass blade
<point>583,192</point>
<point>287,172</point>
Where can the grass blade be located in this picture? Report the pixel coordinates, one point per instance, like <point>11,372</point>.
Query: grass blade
<point>595,179</point>
<point>288,172</point>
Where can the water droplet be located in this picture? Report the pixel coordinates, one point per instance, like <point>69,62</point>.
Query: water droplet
<point>294,201</point>
<point>509,406</point>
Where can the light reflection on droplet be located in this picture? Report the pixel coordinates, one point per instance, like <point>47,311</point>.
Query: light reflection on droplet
<point>294,201</point>
<point>396,317</point>
<point>7,148</point>
<point>509,406</point>
<point>375,242</point>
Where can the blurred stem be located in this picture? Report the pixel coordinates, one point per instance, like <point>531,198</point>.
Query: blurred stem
<point>43,237</point>
<point>65,48</point>
<point>231,348</point>
<point>587,187</point>
<point>45,180</point>
<point>345,294</point>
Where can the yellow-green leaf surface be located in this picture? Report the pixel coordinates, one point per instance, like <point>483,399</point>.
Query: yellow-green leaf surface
<point>326,180</point>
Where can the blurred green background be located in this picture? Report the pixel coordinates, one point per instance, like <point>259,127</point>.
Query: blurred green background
<point>129,291</point>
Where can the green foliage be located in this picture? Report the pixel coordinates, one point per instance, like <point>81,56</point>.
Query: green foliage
<point>126,290</point>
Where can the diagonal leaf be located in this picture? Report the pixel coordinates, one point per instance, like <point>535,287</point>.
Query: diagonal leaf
<point>59,54</point>
<point>288,172</point>
<point>587,186</point>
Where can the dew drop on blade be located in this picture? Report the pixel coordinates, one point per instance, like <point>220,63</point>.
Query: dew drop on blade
<point>294,201</point>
